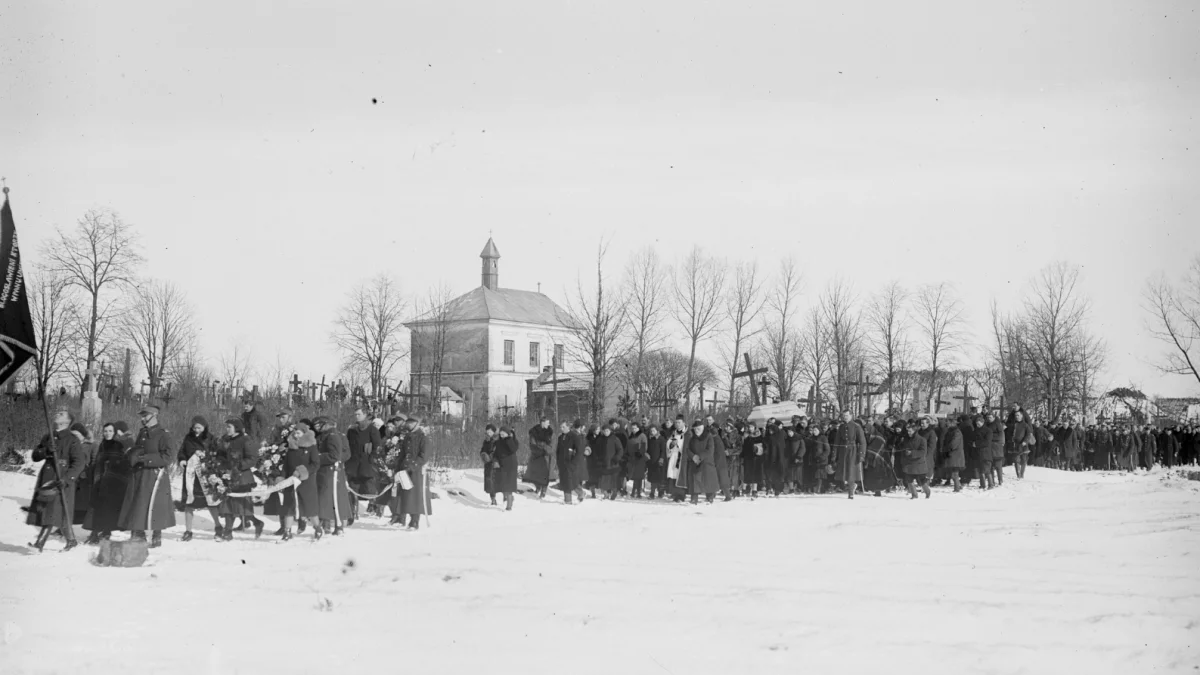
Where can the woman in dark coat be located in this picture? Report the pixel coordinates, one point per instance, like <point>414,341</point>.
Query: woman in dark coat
<point>580,445</point>
<point>916,460</point>
<point>537,472</point>
<point>412,464</point>
<point>816,459</point>
<point>148,505</point>
<point>487,455</point>
<point>46,509</point>
<point>656,462</point>
<point>241,457</point>
<point>196,445</point>
<point>595,458</point>
<point>775,463</point>
<point>878,471</point>
<point>302,460</point>
<point>110,479</point>
<point>983,453</point>
<point>636,455</point>
<point>793,459</point>
<point>505,463</point>
<point>698,456</point>
<point>564,455</point>
<point>83,486</point>
<point>753,451</point>
<point>609,446</point>
<point>954,456</point>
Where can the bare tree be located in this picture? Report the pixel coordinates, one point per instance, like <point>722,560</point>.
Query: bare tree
<point>666,374</point>
<point>1053,333</point>
<point>646,306</point>
<point>940,320</point>
<point>813,356</point>
<point>236,364</point>
<point>1173,318</point>
<point>431,339</point>
<point>780,343</point>
<point>699,283</point>
<point>743,305</point>
<point>597,320</point>
<point>158,324</point>
<point>840,314</point>
<point>369,330</point>
<point>99,255</point>
<point>888,324</point>
<point>191,372</point>
<point>56,318</point>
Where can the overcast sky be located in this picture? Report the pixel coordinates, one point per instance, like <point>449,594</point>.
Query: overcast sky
<point>273,155</point>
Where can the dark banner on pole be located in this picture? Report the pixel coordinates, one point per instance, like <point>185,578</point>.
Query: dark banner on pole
<point>17,344</point>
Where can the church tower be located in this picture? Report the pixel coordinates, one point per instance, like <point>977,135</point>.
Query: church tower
<point>491,265</point>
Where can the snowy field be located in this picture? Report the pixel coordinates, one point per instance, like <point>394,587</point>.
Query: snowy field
<point>1060,573</point>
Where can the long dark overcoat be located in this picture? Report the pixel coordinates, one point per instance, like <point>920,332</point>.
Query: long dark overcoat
<point>506,455</point>
<point>148,504</point>
<point>537,471</point>
<point>333,498</point>
<point>110,480</point>
<point>851,446</point>
<point>65,451</point>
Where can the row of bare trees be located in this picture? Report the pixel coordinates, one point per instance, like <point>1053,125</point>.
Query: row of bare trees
<point>88,301</point>
<point>908,345</point>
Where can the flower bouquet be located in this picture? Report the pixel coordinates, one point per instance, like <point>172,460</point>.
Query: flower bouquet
<point>269,469</point>
<point>215,476</point>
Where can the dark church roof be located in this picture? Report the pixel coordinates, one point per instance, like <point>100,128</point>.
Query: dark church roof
<point>504,304</point>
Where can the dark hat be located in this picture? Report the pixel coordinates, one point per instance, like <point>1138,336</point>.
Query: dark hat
<point>199,419</point>
<point>577,423</point>
<point>697,422</point>
<point>153,409</point>
<point>121,426</point>
<point>236,423</point>
<point>490,427</point>
<point>285,411</point>
<point>78,427</point>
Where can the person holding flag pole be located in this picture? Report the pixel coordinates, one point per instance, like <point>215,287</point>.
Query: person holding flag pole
<point>53,496</point>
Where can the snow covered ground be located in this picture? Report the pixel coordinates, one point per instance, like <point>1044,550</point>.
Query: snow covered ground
<point>1060,573</point>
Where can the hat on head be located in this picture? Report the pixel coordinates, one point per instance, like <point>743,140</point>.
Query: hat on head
<point>78,427</point>
<point>285,411</point>
<point>236,423</point>
<point>121,426</point>
<point>151,409</point>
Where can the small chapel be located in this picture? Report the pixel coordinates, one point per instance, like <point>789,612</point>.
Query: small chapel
<point>498,349</point>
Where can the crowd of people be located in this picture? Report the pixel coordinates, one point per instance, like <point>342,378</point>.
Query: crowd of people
<point>309,474</point>
<point>644,459</point>
<point>306,473</point>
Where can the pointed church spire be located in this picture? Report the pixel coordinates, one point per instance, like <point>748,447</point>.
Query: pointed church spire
<point>491,265</point>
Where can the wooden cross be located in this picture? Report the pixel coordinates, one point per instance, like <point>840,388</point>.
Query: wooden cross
<point>322,386</point>
<point>295,383</point>
<point>167,397</point>
<point>763,383</point>
<point>663,403</point>
<point>749,374</point>
<point>966,398</point>
<point>712,404</point>
<point>506,407</point>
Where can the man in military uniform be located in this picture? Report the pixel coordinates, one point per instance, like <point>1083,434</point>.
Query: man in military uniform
<point>148,504</point>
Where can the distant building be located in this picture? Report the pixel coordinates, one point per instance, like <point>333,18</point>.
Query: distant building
<point>497,341</point>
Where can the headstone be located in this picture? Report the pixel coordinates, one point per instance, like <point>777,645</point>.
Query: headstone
<point>92,405</point>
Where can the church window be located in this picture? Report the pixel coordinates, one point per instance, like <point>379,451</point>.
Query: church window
<point>509,348</point>
<point>558,357</point>
<point>535,355</point>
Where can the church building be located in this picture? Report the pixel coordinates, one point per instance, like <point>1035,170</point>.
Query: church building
<point>494,345</point>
